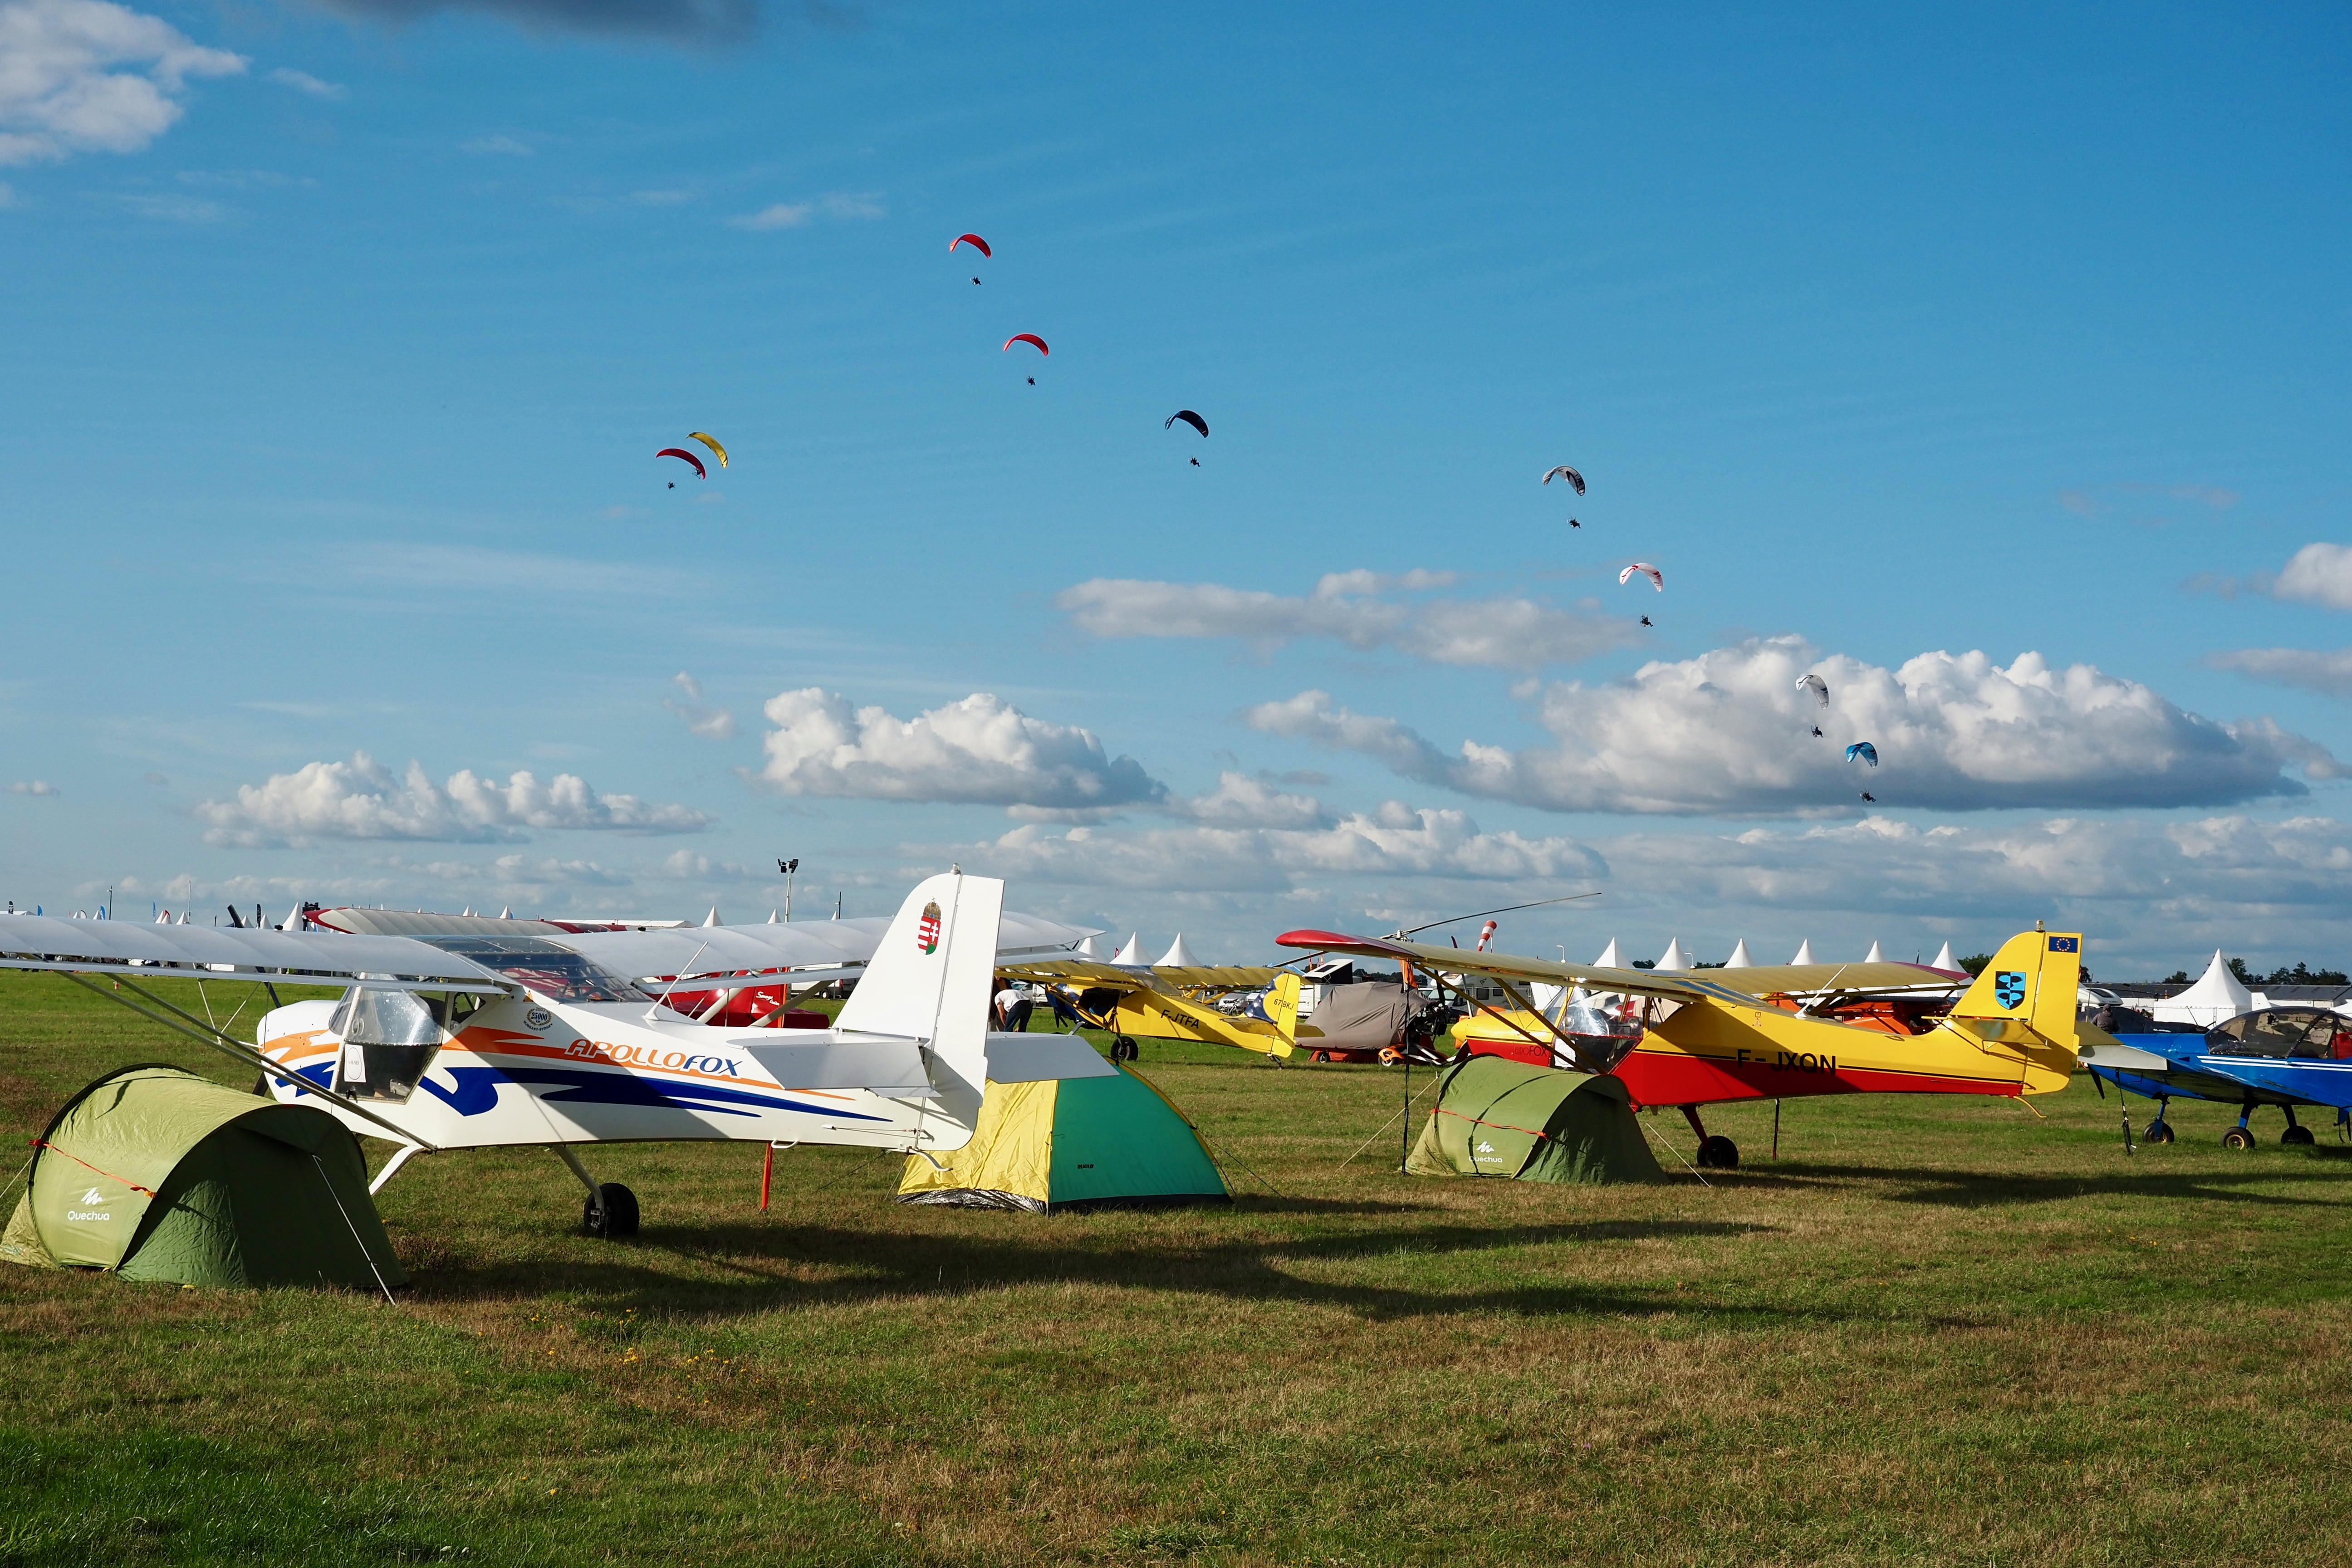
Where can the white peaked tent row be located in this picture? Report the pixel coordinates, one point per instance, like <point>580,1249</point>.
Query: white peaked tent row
<point>1132,953</point>
<point>1178,955</point>
<point>2217,995</point>
<point>1804,954</point>
<point>1674,957</point>
<point>1875,955</point>
<point>1739,959</point>
<point>712,918</point>
<point>1944,958</point>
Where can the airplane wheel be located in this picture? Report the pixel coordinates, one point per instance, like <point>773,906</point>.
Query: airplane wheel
<point>620,1217</point>
<point>2156,1131</point>
<point>1391,1056</point>
<point>1322,1056</point>
<point>1718,1154</point>
<point>2237,1138</point>
<point>2296,1135</point>
<point>1123,1049</point>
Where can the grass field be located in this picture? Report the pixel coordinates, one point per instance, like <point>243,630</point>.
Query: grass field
<point>1930,1331</point>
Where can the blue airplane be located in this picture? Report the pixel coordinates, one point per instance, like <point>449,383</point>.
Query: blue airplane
<point>2285,1057</point>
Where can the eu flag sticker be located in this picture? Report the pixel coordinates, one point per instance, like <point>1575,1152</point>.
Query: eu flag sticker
<point>2065,944</point>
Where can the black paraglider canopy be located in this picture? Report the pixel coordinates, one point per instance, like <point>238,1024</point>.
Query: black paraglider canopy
<point>1188,417</point>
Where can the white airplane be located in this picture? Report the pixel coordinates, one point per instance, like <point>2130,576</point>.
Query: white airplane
<point>472,1042</point>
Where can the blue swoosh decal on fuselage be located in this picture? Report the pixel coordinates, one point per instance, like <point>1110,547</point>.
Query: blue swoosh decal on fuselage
<point>586,1086</point>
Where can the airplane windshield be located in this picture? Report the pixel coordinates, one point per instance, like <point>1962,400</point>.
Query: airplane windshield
<point>554,971</point>
<point>2308,1032</point>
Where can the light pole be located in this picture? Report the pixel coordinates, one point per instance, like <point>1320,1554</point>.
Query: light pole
<point>786,867</point>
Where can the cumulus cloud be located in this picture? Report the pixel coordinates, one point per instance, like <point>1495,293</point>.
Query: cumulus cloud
<point>1395,840</point>
<point>2089,871</point>
<point>85,76</point>
<point>1358,608</point>
<point>799,215</point>
<point>981,751</point>
<point>2095,501</point>
<point>362,799</point>
<point>1245,800</point>
<point>2321,671</point>
<point>304,82</point>
<point>686,865</point>
<point>32,786</point>
<point>702,719</point>
<point>1729,734</point>
<point>2317,574</point>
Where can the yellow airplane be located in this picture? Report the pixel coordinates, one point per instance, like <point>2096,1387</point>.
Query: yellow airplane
<point>1702,1037</point>
<point>1174,1003</point>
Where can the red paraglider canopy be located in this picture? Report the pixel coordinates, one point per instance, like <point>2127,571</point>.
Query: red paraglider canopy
<point>700,470</point>
<point>1026,338</point>
<point>974,241</point>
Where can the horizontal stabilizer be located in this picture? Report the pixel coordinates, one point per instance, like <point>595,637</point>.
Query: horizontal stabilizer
<point>893,1068</point>
<point>1035,1058</point>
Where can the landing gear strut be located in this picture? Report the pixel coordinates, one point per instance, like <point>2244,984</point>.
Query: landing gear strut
<point>2158,1131</point>
<point>610,1210</point>
<point>1714,1153</point>
<point>2296,1133</point>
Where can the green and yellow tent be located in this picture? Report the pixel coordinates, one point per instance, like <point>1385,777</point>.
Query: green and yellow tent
<point>1495,1117</point>
<point>1071,1144</point>
<point>159,1174</point>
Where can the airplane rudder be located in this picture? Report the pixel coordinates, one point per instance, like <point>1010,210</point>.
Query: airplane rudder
<point>2055,1005</point>
<point>1281,1005</point>
<point>2004,986</point>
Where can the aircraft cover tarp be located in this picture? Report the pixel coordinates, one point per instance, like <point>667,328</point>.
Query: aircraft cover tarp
<point>1067,1143</point>
<point>1500,1118</point>
<point>161,1174</point>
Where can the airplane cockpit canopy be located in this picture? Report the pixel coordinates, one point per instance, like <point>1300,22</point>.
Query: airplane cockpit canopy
<point>2307,1033</point>
<point>550,969</point>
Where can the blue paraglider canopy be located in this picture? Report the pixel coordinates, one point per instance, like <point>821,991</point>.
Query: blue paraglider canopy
<point>1865,750</point>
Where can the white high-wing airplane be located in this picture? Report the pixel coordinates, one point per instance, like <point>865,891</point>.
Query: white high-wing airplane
<point>476,1042</point>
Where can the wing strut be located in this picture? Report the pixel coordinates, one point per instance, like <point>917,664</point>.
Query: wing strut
<point>206,1035</point>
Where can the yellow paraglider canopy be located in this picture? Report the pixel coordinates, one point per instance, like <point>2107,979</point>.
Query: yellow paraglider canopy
<point>712,442</point>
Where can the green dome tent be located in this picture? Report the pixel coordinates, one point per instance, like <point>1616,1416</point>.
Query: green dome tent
<point>1071,1144</point>
<point>160,1175</point>
<point>1501,1118</point>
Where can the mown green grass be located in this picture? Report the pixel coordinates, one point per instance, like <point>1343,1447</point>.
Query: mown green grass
<point>1930,1331</point>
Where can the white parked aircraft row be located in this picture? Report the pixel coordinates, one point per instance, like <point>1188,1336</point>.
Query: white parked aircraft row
<point>469,1041</point>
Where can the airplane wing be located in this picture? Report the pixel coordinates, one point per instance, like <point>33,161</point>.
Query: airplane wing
<point>1121,977</point>
<point>124,947</point>
<point>803,944</point>
<point>1683,986</point>
<point>1821,979</point>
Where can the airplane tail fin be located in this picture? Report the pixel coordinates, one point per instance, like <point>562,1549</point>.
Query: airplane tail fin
<point>930,979</point>
<point>2032,981</point>
<point>1282,1005</point>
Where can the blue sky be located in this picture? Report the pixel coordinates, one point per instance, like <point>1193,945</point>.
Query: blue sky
<point>336,360</point>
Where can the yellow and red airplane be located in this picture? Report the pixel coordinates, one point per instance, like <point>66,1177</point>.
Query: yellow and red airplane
<point>1691,1038</point>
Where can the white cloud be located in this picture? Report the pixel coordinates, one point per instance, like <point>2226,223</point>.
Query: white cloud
<point>303,81</point>
<point>2317,574</point>
<point>799,215</point>
<point>499,147</point>
<point>361,799</point>
<point>702,719</point>
<point>686,865</point>
<point>169,208</point>
<point>1240,800</point>
<point>7,195</point>
<point>2321,671</point>
<point>1395,840</point>
<point>1728,733</point>
<point>32,786</point>
<point>981,751</point>
<point>59,93</point>
<point>1347,606</point>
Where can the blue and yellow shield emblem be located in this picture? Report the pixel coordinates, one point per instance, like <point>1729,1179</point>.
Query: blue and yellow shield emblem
<point>2009,986</point>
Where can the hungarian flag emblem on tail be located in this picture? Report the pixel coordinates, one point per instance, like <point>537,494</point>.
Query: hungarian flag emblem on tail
<point>927,932</point>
